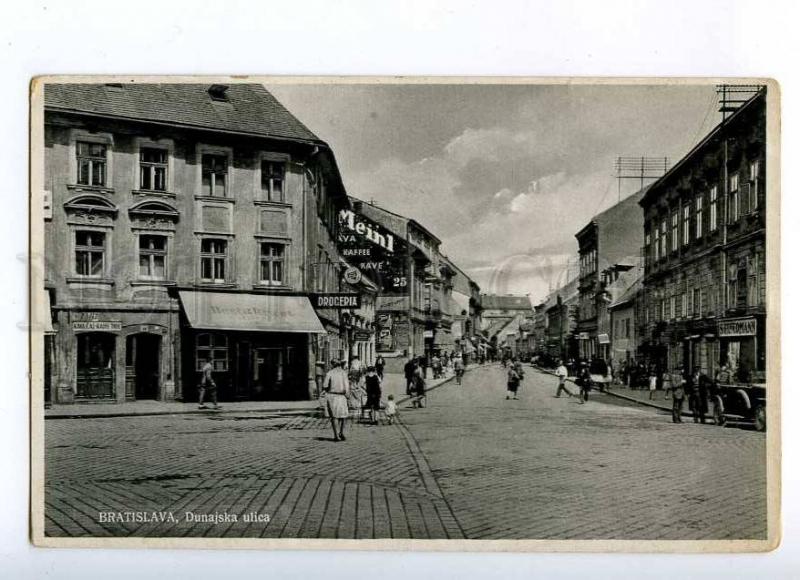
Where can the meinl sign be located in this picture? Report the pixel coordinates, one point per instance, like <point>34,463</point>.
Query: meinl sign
<point>337,300</point>
<point>737,327</point>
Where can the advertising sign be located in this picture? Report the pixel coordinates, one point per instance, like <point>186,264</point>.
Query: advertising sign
<point>101,325</point>
<point>336,300</point>
<point>737,327</point>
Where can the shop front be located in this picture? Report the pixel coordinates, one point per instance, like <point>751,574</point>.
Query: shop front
<point>742,347</point>
<point>259,346</point>
<point>113,356</point>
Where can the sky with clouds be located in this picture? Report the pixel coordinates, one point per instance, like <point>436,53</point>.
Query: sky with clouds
<point>504,175</point>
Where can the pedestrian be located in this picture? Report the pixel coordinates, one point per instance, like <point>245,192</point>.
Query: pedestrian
<point>391,410</point>
<point>677,383</point>
<point>458,368</point>
<point>436,366</point>
<point>518,367</point>
<point>652,382</point>
<point>561,373</point>
<point>356,371</point>
<point>207,385</point>
<point>584,381</point>
<point>380,364</point>
<point>698,395</point>
<point>419,400</point>
<point>373,384</point>
<point>337,389</point>
<point>423,366</point>
<point>408,370</point>
<point>512,382</point>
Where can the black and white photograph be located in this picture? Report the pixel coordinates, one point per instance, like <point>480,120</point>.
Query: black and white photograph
<point>500,313</point>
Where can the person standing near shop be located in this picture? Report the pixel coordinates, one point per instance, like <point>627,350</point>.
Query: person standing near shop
<point>677,383</point>
<point>408,370</point>
<point>337,389</point>
<point>380,364</point>
<point>373,385</point>
<point>698,397</point>
<point>207,385</point>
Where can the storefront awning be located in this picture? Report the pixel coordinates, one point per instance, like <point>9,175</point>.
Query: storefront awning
<point>250,312</point>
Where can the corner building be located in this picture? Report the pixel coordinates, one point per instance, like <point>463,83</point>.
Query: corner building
<point>187,223</point>
<point>705,253</point>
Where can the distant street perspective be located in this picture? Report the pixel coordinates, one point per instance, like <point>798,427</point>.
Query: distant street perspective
<point>471,464</point>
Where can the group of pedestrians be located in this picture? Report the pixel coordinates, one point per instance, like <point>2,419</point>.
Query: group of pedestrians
<point>695,387</point>
<point>583,380</point>
<point>414,371</point>
<point>342,387</point>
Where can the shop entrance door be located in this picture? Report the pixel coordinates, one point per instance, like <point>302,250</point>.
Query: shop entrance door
<point>142,366</point>
<point>267,372</point>
<point>95,365</point>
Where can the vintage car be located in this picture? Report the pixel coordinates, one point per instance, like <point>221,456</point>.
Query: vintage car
<point>740,403</point>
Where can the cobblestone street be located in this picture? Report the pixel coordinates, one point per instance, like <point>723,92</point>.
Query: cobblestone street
<point>472,464</point>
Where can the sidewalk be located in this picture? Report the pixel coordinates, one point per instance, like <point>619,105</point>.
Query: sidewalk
<point>394,383</point>
<point>640,396</point>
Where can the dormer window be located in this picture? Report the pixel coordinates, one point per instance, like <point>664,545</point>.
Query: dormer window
<point>218,92</point>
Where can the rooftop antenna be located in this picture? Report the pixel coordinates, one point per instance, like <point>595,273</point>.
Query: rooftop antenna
<point>640,168</point>
<point>731,97</point>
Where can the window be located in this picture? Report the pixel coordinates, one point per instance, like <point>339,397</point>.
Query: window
<point>712,209</point>
<point>697,302</point>
<point>215,175</point>
<point>684,307</point>
<point>673,306</point>
<point>755,166</point>
<point>674,233</point>
<point>698,217</point>
<point>213,348</point>
<point>657,243</point>
<point>153,169</point>
<point>271,264</point>
<point>733,211</point>
<point>687,219</point>
<point>273,177</point>
<point>152,257</point>
<point>90,253</point>
<point>647,256</point>
<point>213,259</point>
<point>663,238</point>
<point>92,160</point>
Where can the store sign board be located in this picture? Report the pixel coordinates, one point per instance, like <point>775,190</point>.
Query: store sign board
<point>737,327</point>
<point>602,338</point>
<point>362,335</point>
<point>336,300</point>
<point>98,325</point>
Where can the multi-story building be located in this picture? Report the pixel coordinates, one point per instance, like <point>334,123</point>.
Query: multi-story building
<point>560,322</point>
<point>188,223</point>
<point>623,312</point>
<point>705,254</point>
<point>501,317</point>
<point>413,310</point>
<point>466,311</point>
<point>607,245</point>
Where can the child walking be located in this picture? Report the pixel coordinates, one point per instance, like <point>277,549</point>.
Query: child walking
<point>391,410</point>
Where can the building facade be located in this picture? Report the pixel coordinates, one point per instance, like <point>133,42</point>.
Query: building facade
<point>705,252</point>
<point>188,224</point>
<point>607,245</point>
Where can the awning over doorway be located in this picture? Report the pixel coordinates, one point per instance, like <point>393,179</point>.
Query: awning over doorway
<point>250,312</point>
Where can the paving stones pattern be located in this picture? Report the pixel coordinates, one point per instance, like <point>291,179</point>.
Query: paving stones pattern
<point>470,465</point>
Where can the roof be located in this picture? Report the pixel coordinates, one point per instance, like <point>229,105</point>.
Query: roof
<point>739,113</point>
<point>249,108</point>
<point>615,213</point>
<point>631,284</point>
<point>505,302</point>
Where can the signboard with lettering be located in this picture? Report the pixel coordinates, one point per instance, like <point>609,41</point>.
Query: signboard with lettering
<point>336,300</point>
<point>737,327</point>
<point>98,325</point>
<point>362,335</point>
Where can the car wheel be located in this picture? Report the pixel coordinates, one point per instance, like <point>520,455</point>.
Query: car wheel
<point>718,411</point>
<point>760,418</point>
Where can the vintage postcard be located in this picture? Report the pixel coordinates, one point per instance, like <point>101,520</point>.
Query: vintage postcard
<point>471,314</point>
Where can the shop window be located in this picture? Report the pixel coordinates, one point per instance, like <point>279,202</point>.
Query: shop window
<point>272,264</point>
<point>92,163</point>
<point>213,260</point>
<point>153,169</point>
<point>211,347</point>
<point>90,249</point>
<point>95,365</point>
<point>214,175</point>
<point>712,209</point>
<point>273,180</point>
<point>152,257</point>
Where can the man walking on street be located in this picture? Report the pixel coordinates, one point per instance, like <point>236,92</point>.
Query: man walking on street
<point>561,373</point>
<point>337,388</point>
<point>698,397</point>
<point>207,384</point>
<point>408,370</point>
